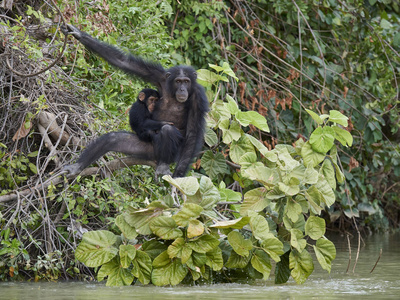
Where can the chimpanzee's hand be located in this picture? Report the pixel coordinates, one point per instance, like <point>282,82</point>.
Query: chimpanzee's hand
<point>72,30</point>
<point>73,169</point>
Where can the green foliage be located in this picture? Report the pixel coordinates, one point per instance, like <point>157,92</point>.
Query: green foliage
<point>294,182</point>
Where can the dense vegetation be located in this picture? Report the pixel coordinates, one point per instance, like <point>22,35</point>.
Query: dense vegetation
<point>261,194</point>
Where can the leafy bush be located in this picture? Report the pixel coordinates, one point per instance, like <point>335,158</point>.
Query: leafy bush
<point>193,237</point>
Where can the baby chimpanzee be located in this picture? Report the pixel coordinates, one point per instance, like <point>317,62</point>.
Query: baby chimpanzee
<point>140,115</point>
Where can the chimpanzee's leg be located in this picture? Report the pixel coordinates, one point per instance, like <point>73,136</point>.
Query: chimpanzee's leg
<point>123,142</point>
<point>167,145</point>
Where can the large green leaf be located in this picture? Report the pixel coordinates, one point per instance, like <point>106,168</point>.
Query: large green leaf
<point>253,118</point>
<point>337,117</point>
<point>142,267</point>
<point>140,219</point>
<point>261,262</point>
<point>237,261</point>
<point>234,224</point>
<point>172,273</point>
<point>293,210</point>
<point>325,189</point>
<point>165,227</point>
<point>329,173</point>
<point>188,212</point>
<point>259,226</point>
<point>210,137</point>
<point>325,252</point>
<point>187,185</point>
<point>214,164</point>
<point>301,265</point>
<point>311,158</point>
<point>322,139</point>
<point>231,131</point>
<point>239,244</point>
<point>117,275</point>
<point>315,117</point>
<point>260,147</point>
<point>96,248</point>
<point>240,148</point>
<point>343,136</point>
<point>314,198</point>
<point>214,259</point>
<point>195,228</point>
<point>296,239</point>
<point>204,244</point>
<point>127,253</point>
<point>273,247</point>
<point>207,196</point>
<point>127,230</point>
<point>231,106</point>
<point>255,200</point>
<point>180,249</point>
<point>315,227</point>
<point>264,175</point>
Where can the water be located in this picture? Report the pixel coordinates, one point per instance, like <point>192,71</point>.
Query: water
<point>382,283</point>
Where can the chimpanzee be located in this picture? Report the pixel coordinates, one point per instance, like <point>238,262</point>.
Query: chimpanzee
<point>183,103</point>
<point>140,115</point>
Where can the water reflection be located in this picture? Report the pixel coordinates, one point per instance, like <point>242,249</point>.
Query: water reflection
<point>382,283</point>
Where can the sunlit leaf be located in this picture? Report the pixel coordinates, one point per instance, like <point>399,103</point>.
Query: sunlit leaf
<point>96,248</point>
<point>240,245</point>
<point>343,136</point>
<point>214,259</point>
<point>255,200</point>
<point>296,239</point>
<point>311,158</point>
<point>127,230</point>
<point>237,261</point>
<point>329,173</point>
<point>127,253</point>
<point>259,226</point>
<point>117,275</point>
<point>322,139</point>
<point>204,244</point>
<point>261,262</point>
<point>301,265</point>
<point>315,227</point>
<point>142,267</point>
<point>315,116</point>
<point>195,228</point>
<point>325,252</point>
<point>165,227</point>
<point>172,273</point>
<point>234,224</point>
<point>273,247</point>
<point>187,185</point>
<point>180,249</point>
<point>337,117</point>
<point>188,212</point>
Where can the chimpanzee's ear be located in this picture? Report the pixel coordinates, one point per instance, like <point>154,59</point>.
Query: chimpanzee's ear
<point>167,74</point>
<point>141,96</point>
<point>195,75</point>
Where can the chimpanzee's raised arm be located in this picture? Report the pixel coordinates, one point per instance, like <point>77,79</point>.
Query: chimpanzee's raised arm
<point>149,71</point>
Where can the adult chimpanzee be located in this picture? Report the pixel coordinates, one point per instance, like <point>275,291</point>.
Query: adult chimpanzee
<point>184,103</point>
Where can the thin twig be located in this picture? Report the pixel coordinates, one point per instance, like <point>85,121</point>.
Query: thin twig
<point>348,265</point>
<point>358,250</point>
<point>380,254</point>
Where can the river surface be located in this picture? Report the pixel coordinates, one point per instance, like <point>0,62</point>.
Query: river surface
<point>382,283</point>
